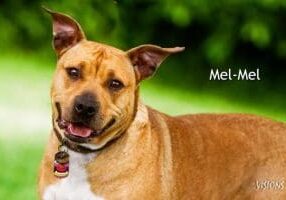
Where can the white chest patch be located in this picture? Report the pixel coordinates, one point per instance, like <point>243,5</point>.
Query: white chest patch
<point>75,186</point>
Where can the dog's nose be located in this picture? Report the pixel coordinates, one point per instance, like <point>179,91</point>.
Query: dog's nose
<point>85,107</point>
<point>82,109</point>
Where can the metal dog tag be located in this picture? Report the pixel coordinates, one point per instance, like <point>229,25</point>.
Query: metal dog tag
<point>61,164</point>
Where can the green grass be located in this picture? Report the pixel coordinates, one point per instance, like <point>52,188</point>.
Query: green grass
<point>25,117</point>
<point>19,166</point>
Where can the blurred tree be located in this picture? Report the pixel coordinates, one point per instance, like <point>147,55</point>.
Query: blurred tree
<point>222,33</point>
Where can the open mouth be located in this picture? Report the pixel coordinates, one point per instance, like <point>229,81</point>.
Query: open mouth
<point>78,132</point>
<point>81,133</point>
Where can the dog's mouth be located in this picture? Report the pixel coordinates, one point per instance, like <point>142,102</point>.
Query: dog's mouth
<point>78,132</point>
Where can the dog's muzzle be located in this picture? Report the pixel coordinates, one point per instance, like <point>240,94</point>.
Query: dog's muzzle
<point>79,132</point>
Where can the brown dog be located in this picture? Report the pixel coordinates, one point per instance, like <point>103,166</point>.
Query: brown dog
<point>114,147</point>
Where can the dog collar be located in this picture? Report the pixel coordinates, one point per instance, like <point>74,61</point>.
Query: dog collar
<point>61,159</point>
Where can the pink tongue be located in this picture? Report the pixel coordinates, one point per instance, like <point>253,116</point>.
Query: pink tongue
<point>78,130</point>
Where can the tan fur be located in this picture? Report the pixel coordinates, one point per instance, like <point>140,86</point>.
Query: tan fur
<point>192,157</point>
<point>97,61</point>
<point>188,157</point>
<point>156,156</point>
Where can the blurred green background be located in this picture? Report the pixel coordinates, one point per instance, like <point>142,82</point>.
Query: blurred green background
<point>217,34</point>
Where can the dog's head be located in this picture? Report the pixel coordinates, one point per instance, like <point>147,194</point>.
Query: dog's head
<point>94,86</point>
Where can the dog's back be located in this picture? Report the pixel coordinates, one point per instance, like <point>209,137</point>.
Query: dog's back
<point>226,156</point>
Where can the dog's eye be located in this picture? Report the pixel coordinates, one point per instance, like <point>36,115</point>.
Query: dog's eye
<point>115,85</point>
<point>73,72</point>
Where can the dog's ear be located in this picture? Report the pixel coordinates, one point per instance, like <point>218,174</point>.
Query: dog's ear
<point>66,32</point>
<point>147,58</point>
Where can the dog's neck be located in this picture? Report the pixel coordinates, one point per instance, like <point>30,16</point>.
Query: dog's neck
<point>140,120</point>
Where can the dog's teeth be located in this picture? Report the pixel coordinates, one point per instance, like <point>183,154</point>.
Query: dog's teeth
<point>62,124</point>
